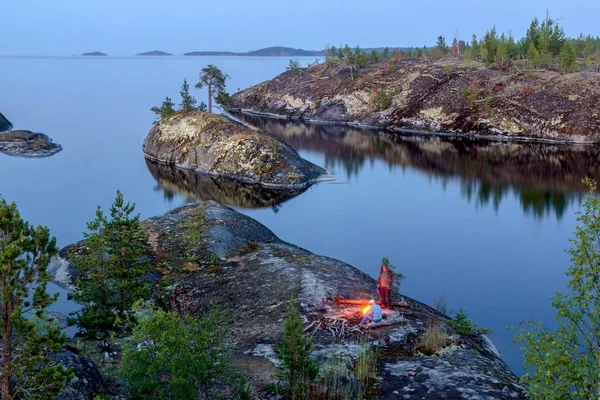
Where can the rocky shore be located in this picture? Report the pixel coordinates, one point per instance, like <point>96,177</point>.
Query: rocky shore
<point>23,143</point>
<point>451,97</point>
<point>214,145</point>
<point>259,274</point>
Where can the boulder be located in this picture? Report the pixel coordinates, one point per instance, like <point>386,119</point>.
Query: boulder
<point>217,146</point>
<point>27,144</point>
<point>86,380</point>
<point>5,124</point>
<point>258,274</point>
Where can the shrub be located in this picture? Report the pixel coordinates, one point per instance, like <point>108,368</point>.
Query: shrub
<point>568,58</point>
<point>293,66</point>
<point>382,101</point>
<point>175,357</point>
<point>465,327</point>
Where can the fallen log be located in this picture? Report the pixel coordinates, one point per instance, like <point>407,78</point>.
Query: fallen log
<point>339,300</point>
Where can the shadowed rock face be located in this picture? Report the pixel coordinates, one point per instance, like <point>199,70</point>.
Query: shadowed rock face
<point>447,96</point>
<point>260,273</point>
<point>86,381</point>
<point>5,124</point>
<point>216,146</point>
<point>27,144</point>
<point>546,177</point>
<point>229,192</point>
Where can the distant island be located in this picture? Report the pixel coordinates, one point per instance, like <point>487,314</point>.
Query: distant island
<point>276,51</point>
<point>95,54</point>
<point>155,53</point>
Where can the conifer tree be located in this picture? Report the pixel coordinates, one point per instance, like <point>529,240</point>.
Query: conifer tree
<point>112,268</point>
<point>441,45</point>
<point>188,102</point>
<point>214,79</point>
<point>533,56</point>
<point>568,58</point>
<point>25,253</point>
<point>298,370</point>
<point>126,247</point>
<point>167,108</point>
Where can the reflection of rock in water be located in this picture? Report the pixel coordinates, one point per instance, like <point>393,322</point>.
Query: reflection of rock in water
<point>228,192</point>
<point>546,178</point>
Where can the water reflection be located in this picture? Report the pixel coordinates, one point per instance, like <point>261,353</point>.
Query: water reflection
<point>193,187</point>
<point>546,178</point>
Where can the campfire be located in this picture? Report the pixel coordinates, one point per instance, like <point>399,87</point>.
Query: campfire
<point>366,309</point>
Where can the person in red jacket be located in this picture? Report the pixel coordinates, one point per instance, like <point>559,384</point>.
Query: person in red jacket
<point>385,282</point>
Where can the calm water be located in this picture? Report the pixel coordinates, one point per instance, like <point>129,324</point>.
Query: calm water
<point>485,224</point>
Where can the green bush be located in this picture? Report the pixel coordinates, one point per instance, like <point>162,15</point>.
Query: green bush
<point>175,357</point>
<point>382,101</point>
<point>465,327</point>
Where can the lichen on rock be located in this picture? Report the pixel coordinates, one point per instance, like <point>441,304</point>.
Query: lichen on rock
<point>217,146</point>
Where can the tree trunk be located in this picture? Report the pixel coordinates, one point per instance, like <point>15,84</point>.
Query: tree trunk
<point>209,98</point>
<point>6,351</point>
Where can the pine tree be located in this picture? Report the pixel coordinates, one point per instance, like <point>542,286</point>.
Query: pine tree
<point>386,53</point>
<point>298,370</point>
<point>565,363</point>
<point>374,57</point>
<point>441,45</point>
<point>112,268</point>
<point>126,247</point>
<point>188,102</point>
<point>214,79</point>
<point>474,47</point>
<point>533,56</point>
<point>568,58</point>
<point>167,108</point>
<point>95,289</point>
<point>25,253</point>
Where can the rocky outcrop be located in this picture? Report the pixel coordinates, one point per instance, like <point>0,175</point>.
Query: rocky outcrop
<point>444,97</point>
<point>229,192</point>
<point>86,378</point>
<point>27,144</point>
<point>5,124</point>
<point>258,274</point>
<point>216,146</point>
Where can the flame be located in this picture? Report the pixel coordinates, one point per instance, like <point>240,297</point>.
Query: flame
<point>366,309</point>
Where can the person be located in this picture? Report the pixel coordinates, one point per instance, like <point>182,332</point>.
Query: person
<point>385,282</point>
<point>373,315</point>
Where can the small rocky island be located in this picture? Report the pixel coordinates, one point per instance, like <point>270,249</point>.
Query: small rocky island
<point>5,124</point>
<point>447,96</point>
<point>258,274</point>
<point>154,53</point>
<point>217,146</point>
<point>27,144</point>
<point>95,54</point>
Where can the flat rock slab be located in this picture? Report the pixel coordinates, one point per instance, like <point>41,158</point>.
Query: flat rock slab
<point>257,276</point>
<point>27,144</point>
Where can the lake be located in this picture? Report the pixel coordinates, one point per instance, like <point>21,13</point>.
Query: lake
<point>484,223</point>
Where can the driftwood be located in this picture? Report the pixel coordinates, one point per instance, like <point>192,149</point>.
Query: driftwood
<point>338,327</point>
<point>339,300</point>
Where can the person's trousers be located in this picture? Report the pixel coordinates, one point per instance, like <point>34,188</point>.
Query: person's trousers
<point>386,296</point>
<point>367,318</point>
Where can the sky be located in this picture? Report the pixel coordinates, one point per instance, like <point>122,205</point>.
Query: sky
<point>126,27</point>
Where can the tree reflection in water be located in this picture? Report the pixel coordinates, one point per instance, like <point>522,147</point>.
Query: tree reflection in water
<point>545,177</point>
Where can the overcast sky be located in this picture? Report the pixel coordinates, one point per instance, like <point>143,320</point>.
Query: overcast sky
<point>124,27</point>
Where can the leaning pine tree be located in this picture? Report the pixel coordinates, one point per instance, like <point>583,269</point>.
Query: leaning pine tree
<point>298,370</point>
<point>25,253</point>
<point>565,363</point>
